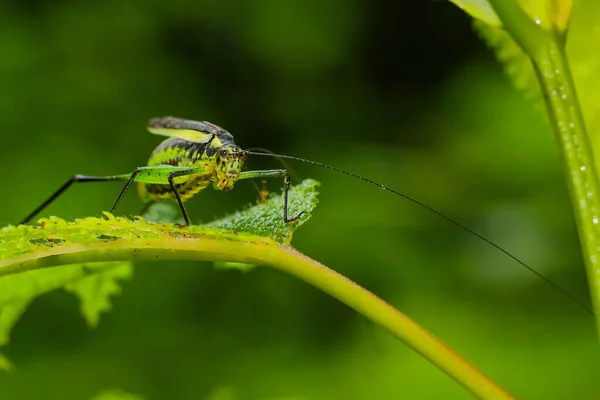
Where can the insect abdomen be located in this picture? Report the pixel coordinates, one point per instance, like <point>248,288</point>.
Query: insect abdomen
<point>178,153</point>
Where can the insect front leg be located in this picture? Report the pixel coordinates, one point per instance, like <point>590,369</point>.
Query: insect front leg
<point>125,188</point>
<point>172,175</point>
<point>274,173</point>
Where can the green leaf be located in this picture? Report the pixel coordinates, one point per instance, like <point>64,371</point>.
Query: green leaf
<point>585,64</point>
<point>116,394</point>
<point>94,283</point>
<point>222,393</point>
<point>548,14</point>
<point>516,63</point>
<point>480,9</point>
<point>18,290</point>
<point>4,363</point>
<point>9,315</point>
<point>234,265</point>
<point>267,219</point>
<point>52,234</point>
<point>95,290</point>
<point>57,242</point>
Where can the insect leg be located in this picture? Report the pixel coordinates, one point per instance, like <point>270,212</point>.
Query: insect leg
<point>65,186</point>
<point>159,175</point>
<point>172,175</point>
<point>156,175</point>
<point>125,188</point>
<point>273,173</point>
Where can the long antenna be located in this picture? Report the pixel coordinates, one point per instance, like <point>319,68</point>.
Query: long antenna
<point>417,202</point>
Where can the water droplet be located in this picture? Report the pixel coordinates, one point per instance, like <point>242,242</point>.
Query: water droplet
<point>595,219</point>
<point>572,125</point>
<point>553,93</point>
<point>590,194</point>
<point>583,169</point>
<point>538,21</point>
<point>564,96</point>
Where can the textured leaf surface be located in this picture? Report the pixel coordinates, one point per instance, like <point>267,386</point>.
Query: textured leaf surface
<point>94,283</point>
<point>267,219</point>
<point>262,220</point>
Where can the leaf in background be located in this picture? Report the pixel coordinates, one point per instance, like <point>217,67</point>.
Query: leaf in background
<point>163,212</point>
<point>234,265</point>
<point>9,315</point>
<point>222,393</point>
<point>18,290</point>
<point>585,64</point>
<point>584,34</point>
<point>560,13</point>
<point>116,394</point>
<point>480,9</point>
<point>548,14</point>
<point>516,63</point>
<point>95,290</point>
<point>4,363</point>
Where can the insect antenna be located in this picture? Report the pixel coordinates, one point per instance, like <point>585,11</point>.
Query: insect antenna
<point>284,163</point>
<point>423,205</point>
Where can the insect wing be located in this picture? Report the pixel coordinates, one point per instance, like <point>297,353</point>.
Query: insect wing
<point>192,131</point>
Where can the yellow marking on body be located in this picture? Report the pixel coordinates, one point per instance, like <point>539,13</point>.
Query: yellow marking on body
<point>187,134</point>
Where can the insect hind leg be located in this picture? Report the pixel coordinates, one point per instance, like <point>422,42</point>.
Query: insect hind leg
<point>172,175</point>
<point>64,187</point>
<point>159,175</point>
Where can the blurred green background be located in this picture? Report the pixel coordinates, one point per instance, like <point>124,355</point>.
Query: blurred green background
<point>400,92</point>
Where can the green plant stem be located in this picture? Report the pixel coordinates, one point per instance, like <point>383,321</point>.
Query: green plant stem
<point>567,120</point>
<point>547,52</point>
<point>215,246</point>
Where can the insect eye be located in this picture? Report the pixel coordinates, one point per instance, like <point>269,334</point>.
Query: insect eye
<point>223,152</point>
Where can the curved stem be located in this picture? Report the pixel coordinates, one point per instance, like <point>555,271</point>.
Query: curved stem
<point>155,242</point>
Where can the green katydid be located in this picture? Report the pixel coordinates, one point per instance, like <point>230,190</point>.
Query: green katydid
<point>199,154</point>
<point>196,155</point>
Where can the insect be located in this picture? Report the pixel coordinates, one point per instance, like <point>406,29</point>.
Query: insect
<point>200,154</point>
<point>196,155</point>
